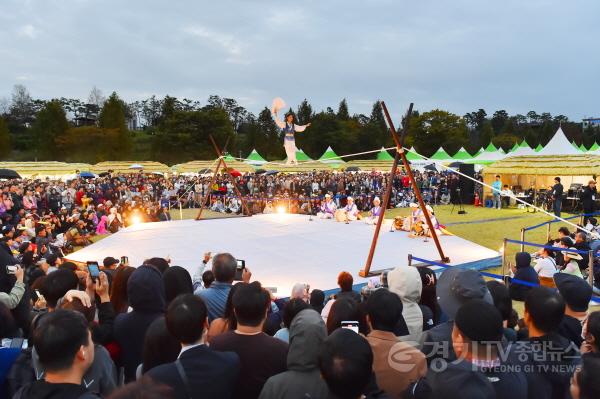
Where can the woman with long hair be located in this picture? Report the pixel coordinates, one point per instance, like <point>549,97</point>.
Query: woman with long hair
<point>118,291</point>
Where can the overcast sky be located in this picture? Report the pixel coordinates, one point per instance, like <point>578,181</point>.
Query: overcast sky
<point>457,55</point>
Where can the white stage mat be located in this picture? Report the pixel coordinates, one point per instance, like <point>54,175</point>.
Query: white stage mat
<point>281,249</point>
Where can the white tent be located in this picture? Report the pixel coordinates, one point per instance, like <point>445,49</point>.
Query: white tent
<point>489,157</point>
<point>523,151</point>
<point>558,145</point>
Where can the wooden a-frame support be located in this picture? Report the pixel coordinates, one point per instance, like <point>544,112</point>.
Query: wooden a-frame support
<point>221,162</point>
<point>399,141</point>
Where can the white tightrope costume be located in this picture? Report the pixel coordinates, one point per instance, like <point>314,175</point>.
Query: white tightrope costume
<point>289,141</point>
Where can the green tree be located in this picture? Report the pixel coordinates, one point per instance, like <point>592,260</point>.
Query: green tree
<point>4,139</point>
<point>113,116</point>
<point>305,113</point>
<point>498,120</point>
<point>274,140</point>
<point>343,113</point>
<point>50,124</point>
<point>434,129</point>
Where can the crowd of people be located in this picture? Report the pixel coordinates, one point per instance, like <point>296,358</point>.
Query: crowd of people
<point>569,253</point>
<point>155,331</point>
<point>43,219</point>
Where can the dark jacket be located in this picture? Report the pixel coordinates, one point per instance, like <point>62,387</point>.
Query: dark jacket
<point>588,197</point>
<point>524,272</point>
<point>303,378</point>
<point>43,390</point>
<point>210,374</point>
<point>146,293</point>
<point>549,362</point>
<point>100,378</point>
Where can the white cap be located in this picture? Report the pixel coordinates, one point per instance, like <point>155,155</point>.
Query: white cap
<point>413,205</point>
<point>327,196</point>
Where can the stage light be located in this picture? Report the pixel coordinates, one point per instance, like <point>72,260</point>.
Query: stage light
<point>281,209</point>
<point>135,219</point>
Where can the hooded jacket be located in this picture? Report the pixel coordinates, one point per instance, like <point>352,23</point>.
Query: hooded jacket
<point>303,378</point>
<point>524,272</point>
<point>146,293</point>
<point>406,283</point>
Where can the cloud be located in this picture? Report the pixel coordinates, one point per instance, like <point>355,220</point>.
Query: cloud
<point>226,42</point>
<point>28,31</point>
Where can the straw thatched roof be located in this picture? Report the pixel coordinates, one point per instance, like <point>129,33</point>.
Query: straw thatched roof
<point>195,166</point>
<point>540,165</point>
<point>44,169</point>
<point>123,166</point>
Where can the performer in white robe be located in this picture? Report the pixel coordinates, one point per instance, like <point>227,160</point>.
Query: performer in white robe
<point>328,208</point>
<point>411,220</point>
<point>374,212</point>
<point>289,129</point>
<point>350,210</point>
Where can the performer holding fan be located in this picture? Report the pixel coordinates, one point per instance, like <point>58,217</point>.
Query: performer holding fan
<point>289,129</point>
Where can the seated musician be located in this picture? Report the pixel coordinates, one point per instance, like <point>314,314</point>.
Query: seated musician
<point>374,212</point>
<point>423,228</point>
<point>411,220</point>
<point>351,210</point>
<point>328,208</point>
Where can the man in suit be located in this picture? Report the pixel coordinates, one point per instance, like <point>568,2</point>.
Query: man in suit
<point>199,372</point>
<point>557,194</point>
<point>588,199</point>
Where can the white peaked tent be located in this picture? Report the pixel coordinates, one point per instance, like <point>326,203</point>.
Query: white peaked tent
<point>558,145</point>
<point>524,150</point>
<point>489,157</point>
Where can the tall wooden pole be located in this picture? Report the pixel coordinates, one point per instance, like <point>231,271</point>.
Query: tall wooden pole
<point>399,154</point>
<point>399,148</point>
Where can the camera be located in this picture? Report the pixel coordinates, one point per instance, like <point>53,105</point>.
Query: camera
<point>239,270</point>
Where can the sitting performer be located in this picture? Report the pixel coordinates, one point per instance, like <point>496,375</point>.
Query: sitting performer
<point>289,129</point>
<point>411,220</point>
<point>350,210</point>
<point>436,224</point>
<point>328,208</point>
<point>374,212</point>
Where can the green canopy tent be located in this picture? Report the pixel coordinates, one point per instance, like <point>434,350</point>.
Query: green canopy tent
<point>441,155</point>
<point>514,148</point>
<point>582,148</point>
<point>229,158</point>
<point>524,144</point>
<point>462,154</point>
<point>594,147</point>
<point>490,148</point>
<point>539,148</point>
<point>411,155</point>
<point>255,159</point>
<point>383,155</point>
<point>329,156</point>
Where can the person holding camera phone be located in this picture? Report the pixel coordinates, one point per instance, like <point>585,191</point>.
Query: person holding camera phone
<point>225,269</point>
<point>12,299</point>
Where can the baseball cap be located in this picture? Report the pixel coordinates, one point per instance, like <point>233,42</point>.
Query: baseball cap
<point>479,321</point>
<point>456,287</point>
<point>576,292</point>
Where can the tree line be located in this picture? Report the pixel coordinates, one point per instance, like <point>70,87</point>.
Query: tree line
<point>173,130</point>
